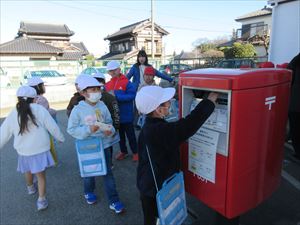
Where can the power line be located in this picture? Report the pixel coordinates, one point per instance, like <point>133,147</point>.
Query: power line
<point>90,11</point>
<point>122,18</point>
<point>193,29</point>
<point>163,13</point>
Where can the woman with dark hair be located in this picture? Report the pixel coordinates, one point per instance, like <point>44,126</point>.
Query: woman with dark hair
<point>29,123</point>
<point>137,70</point>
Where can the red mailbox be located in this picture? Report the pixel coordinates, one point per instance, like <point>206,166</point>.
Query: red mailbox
<point>233,162</point>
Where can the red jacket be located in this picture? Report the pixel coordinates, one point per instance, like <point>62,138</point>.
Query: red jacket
<point>125,94</point>
<point>117,83</point>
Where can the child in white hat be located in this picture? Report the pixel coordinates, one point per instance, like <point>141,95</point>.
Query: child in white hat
<point>163,139</point>
<point>86,120</point>
<point>38,84</point>
<point>30,123</point>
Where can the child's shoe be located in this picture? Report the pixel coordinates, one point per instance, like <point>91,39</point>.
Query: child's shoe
<point>121,156</point>
<point>42,204</point>
<point>118,207</point>
<point>32,189</point>
<point>90,198</point>
<point>135,157</point>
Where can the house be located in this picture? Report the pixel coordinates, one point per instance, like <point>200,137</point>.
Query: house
<point>285,35</point>
<point>37,41</point>
<point>189,58</point>
<point>125,43</point>
<point>256,27</point>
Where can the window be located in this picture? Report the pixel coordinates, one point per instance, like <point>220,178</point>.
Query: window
<point>256,28</point>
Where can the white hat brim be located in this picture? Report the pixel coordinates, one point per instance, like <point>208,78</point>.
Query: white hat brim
<point>168,94</point>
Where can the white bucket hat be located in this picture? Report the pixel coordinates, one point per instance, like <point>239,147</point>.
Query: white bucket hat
<point>34,81</point>
<point>99,75</point>
<point>87,81</point>
<point>112,65</point>
<point>26,92</point>
<point>80,76</point>
<point>150,97</point>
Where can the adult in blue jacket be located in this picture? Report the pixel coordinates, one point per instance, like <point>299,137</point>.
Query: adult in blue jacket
<point>137,70</point>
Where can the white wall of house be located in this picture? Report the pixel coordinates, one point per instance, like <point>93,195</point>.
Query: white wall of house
<point>260,51</point>
<point>285,35</point>
<point>266,19</point>
<point>14,58</point>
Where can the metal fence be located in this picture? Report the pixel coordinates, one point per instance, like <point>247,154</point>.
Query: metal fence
<point>15,70</point>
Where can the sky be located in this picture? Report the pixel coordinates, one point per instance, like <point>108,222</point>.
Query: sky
<point>92,21</point>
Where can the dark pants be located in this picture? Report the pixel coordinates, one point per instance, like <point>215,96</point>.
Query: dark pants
<point>294,119</point>
<point>149,210</point>
<point>128,130</point>
<point>109,181</point>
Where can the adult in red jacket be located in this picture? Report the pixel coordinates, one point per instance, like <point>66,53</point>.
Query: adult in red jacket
<point>125,93</point>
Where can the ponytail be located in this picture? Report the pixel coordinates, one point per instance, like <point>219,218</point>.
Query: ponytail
<point>24,112</point>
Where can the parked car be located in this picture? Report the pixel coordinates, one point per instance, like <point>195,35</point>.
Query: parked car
<point>94,70</point>
<point>236,63</point>
<point>4,79</point>
<point>174,69</point>
<point>50,77</point>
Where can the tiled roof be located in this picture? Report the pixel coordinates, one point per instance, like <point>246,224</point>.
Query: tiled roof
<point>185,55</point>
<point>80,46</point>
<point>133,28</point>
<point>27,45</point>
<point>119,56</point>
<point>262,12</point>
<point>71,56</point>
<point>226,44</point>
<point>44,29</point>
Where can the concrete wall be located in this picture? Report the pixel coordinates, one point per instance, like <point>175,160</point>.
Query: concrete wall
<point>54,94</point>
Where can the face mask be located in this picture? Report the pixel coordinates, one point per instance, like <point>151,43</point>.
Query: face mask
<point>94,97</point>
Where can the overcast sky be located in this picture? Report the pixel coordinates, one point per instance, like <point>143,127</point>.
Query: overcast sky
<point>186,21</point>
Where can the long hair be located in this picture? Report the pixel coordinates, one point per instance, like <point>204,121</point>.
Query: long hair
<point>143,54</point>
<point>24,114</point>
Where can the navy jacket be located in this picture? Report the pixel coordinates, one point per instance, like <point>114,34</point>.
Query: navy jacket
<point>163,140</point>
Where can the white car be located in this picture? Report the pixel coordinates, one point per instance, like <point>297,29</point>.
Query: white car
<point>50,77</point>
<point>94,70</point>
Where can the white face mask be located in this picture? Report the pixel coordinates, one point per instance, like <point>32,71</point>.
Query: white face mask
<point>94,97</point>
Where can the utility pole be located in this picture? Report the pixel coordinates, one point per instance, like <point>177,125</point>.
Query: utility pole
<point>152,30</point>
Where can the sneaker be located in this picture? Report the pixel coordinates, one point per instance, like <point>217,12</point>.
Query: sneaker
<point>112,166</point>
<point>121,156</point>
<point>32,189</point>
<point>42,204</point>
<point>118,207</point>
<point>90,198</point>
<point>135,157</point>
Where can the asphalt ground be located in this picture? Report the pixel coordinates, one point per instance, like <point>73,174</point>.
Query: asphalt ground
<point>68,207</point>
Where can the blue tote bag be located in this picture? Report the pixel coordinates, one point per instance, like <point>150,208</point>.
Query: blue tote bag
<point>91,157</point>
<point>170,199</point>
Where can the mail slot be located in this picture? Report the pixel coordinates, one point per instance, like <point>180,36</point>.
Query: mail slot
<point>233,162</point>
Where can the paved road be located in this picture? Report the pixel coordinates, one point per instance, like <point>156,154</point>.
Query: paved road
<point>68,207</point>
